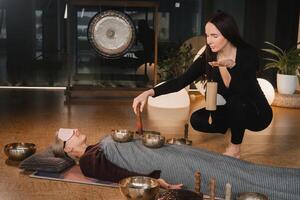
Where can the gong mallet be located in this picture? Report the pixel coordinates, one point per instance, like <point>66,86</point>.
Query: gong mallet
<point>139,124</point>
<point>186,135</point>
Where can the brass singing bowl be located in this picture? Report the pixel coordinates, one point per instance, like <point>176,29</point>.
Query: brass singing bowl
<point>19,151</point>
<point>122,135</point>
<point>153,140</point>
<point>251,196</point>
<point>179,141</point>
<point>139,187</point>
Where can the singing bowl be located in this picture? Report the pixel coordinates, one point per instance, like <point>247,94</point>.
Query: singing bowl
<point>251,196</point>
<point>19,151</point>
<point>153,140</point>
<point>139,187</point>
<point>179,141</point>
<point>150,132</point>
<point>122,135</point>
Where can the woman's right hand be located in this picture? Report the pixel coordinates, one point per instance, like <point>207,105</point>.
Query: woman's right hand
<point>141,99</point>
<point>223,63</point>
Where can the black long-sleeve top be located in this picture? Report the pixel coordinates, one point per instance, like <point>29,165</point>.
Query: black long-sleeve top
<point>243,78</point>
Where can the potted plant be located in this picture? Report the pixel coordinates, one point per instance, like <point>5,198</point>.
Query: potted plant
<point>287,62</point>
<point>176,63</point>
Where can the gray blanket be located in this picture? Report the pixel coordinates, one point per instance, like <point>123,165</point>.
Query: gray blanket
<point>179,164</point>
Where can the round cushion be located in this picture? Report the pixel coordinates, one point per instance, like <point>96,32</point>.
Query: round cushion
<point>267,89</point>
<point>178,99</point>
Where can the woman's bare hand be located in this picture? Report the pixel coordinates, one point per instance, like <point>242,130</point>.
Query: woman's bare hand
<point>141,99</point>
<point>222,63</point>
<point>175,186</point>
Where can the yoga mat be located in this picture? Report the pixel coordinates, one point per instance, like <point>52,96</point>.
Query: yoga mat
<point>73,175</point>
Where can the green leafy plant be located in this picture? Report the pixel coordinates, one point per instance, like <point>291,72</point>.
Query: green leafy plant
<point>176,62</point>
<point>286,61</point>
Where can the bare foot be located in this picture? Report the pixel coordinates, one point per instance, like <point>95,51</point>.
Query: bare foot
<point>235,155</point>
<point>233,150</point>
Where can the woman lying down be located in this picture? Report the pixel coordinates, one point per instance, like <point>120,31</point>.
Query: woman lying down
<point>112,161</point>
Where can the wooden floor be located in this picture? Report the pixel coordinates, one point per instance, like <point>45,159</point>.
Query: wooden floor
<point>34,116</point>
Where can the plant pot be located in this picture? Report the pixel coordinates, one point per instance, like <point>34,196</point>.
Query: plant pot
<point>286,84</point>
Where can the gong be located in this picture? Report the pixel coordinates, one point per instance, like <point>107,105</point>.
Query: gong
<point>111,33</point>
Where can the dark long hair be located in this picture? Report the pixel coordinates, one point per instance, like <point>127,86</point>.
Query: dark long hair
<point>229,29</point>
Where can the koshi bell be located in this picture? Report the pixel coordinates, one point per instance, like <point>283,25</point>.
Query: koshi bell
<point>211,98</point>
<point>212,186</point>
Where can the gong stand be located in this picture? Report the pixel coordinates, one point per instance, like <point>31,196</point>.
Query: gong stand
<point>111,33</point>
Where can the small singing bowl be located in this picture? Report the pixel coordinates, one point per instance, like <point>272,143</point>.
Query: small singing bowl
<point>153,140</point>
<point>122,135</point>
<point>179,141</point>
<point>139,187</point>
<point>251,196</point>
<point>19,151</point>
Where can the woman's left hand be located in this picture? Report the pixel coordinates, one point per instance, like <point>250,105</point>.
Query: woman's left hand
<point>222,63</point>
<point>175,186</point>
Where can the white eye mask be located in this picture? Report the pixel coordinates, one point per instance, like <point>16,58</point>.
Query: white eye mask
<point>65,133</point>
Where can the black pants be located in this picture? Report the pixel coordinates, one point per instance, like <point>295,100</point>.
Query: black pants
<point>237,114</point>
